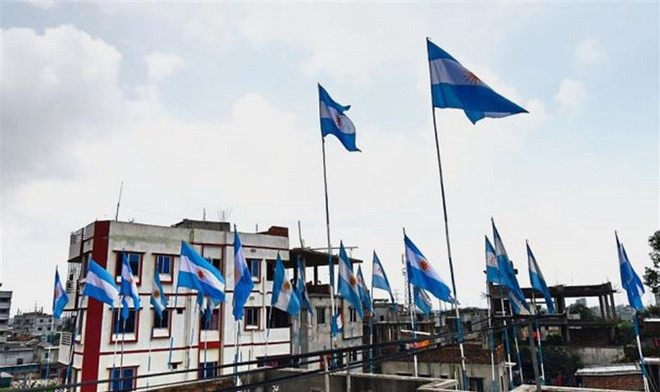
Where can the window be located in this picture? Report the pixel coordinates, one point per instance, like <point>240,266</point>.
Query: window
<point>279,318</point>
<point>209,322</point>
<point>162,322</point>
<point>353,356</point>
<point>124,326</point>
<point>352,314</point>
<point>270,270</point>
<point>208,370</point>
<point>252,318</point>
<point>19,361</point>
<point>216,263</point>
<point>122,380</point>
<point>134,260</point>
<point>320,315</point>
<point>476,384</point>
<point>163,264</point>
<point>254,265</point>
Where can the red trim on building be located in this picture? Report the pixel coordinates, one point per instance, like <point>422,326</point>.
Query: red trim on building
<point>94,321</point>
<point>256,344</point>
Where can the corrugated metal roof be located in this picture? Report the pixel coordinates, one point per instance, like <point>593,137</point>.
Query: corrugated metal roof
<point>610,370</point>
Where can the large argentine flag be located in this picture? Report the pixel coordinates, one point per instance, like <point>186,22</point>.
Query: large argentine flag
<point>629,278</point>
<point>158,299</point>
<point>347,286</point>
<point>378,277</point>
<point>197,273</point>
<point>242,279</point>
<point>422,274</point>
<point>538,281</point>
<point>284,297</point>
<point>100,285</point>
<point>128,287</point>
<point>335,122</point>
<point>492,271</point>
<point>60,299</point>
<point>454,86</point>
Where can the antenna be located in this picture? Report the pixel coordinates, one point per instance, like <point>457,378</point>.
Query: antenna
<point>204,214</point>
<point>302,242</point>
<point>121,187</point>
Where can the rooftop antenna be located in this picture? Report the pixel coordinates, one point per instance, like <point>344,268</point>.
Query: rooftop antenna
<point>204,214</point>
<point>121,187</point>
<point>302,242</point>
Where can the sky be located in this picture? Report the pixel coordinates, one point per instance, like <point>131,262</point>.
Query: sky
<point>213,107</point>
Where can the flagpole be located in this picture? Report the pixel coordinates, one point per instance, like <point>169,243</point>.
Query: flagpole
<point>371,325</point>
<point>506,339</point>
<point>515,340</point>
<point>270,318</point>
<point>491,342</point>
<point>52,331</point>
<point>446,220</point>
<point>79,299</point>
<point>641,355</point>
<point>410,309</point>
<point>538,335</point>
<point>238,338</point>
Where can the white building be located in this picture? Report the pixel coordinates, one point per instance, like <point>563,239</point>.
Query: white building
<point>181,338</point>
<point>5,308</point>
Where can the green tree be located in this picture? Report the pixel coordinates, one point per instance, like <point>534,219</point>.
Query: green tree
<point>585,313</point>
<point>652,275</point>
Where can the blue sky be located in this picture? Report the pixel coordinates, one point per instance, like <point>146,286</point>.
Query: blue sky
<point>214,106</point>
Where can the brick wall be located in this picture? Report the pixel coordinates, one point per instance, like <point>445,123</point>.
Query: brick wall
<point>626,382</point>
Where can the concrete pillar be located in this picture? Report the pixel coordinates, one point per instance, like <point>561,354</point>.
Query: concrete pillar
<point>613,306</point>
<point>603,307</point>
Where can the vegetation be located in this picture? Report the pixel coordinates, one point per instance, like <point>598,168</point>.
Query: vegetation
<point>585,313</point>
<point>652,275</point>
<point>559,364</point>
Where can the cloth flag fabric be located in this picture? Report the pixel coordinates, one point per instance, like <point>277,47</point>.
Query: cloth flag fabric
<point>422,274</point>
<point>454,86</point>
<point>422,301</point>
<point>195,272</point>
<point>100,285</point>
<point>158,299</point>
<point>508,275</point>
<point>378,277</point>
<point>347,286</point>
<point>492,271</point>
<point>538,281</point>
<point>301,289</point>
<point>337,323</point>
<point>364,291</point>
<point>284,296</point>
<point>128,287</point>
<point>243,284</point>
<point>335,122</point>
<point>60,299</point>
<point>629,278</point>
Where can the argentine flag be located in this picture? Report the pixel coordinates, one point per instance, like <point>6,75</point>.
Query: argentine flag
<point>422,274</point>
<point>364,292</point>
<point>100,285</point>
<point>128,287</point>
<point>158,299</point>
<point>378,277</point>
<point>538,281</point>
<point>347,286</point>
<point>60,299</point>
<point>301,289</point>
<point>195,272</point>
<point>242,279</point>
<point>629,278</point>
<point>492,271</point>
<point>284,297</point>
<point>335,122</point>
<point>454,86</point>
<point>337,323</point>
<point>422,301</point>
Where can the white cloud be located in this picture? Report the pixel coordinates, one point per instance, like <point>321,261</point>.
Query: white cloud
<point>162,65</point>
<point>43,4</point>
<point>571,95</point>
<point>589,52</point>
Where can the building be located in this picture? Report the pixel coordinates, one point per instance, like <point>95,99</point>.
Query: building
<point>182,340</point>
<point>625,377</point>
<point>35,323</point>
<point>5,309</point>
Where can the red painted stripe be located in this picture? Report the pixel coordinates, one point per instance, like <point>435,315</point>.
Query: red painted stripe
<point>94,321</point>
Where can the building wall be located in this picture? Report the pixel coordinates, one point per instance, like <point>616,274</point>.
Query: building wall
<point>627,382</point>
<point>176,344</point>
<point>5,310</point>
<point>597,355</point>
<point>449,371</point>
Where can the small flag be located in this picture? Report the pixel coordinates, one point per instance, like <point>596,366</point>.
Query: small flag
<point>337,323</point>
<point>242,279</point>
<point>378,277</point>
<point>454,86</point>
<point>364,292</point>
<point>507,273</point>
<point>301,289</point>
<point>284,297</point>
<point>422,274</point>
<point>629,278</point>
<point>422,301</point>
<point>538,281</point>
<point>492,271</point>
<point>158,299</point>
<point>60,299</point>
<point>195,272</point>
<point>335,122</point>
<point>100,285</point>
<point>128,287</point>
<point>347,286</point>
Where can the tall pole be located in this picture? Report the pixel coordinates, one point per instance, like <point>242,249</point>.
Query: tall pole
<point>506,340</point>
<point>444,213</point>
<point>50,344</point>
<point>534,360</point>
<point>371,327</point>
<point>538,336</point>
<point>121,187</point>
<point>641,355</point>
<point>327,230</point>
<point>491,341</point>
<point>412,316</point>
<point>515,340</point>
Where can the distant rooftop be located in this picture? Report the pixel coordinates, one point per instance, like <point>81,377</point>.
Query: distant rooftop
<point>609,370</point>
<point>203,225</point>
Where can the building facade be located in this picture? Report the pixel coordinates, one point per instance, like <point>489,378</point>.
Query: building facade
<point>5,309</point>
<point>184,339</point>
<point>35,323</point>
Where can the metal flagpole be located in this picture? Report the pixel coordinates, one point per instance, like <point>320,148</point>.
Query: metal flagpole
<point>641,355</point>
<point>270,318</point>
<point>410,309</point>
<point>515,340</point>
<point>50,344</point>
<point>446,220</point>
<point>538,336</point>
<point>371,325</point>
<point>491,342</point>
<point>506,340</point>
<point>238,338</point>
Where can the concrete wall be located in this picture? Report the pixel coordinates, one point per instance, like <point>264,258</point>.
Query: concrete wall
<point>597,355</point>
<point>449,371</point>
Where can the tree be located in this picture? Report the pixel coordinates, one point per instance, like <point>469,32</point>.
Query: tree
<point>652,275</point>
<point>585,313</point>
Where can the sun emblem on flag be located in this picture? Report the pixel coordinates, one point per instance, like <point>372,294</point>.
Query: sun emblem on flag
<point>338,121</point>
<point>472,78</point>
<point>424,265</point>
<point>352,281</point>
<point>286,286</point>
<point>156,293</point>
<point>200,274</point>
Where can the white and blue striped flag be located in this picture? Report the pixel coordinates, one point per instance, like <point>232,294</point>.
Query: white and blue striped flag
<point>364,291</point>
<point>60,299</point>
<point>422,274</point>
<point>284,296</point>
<point>378,278</point>
<point>197,273</point>
<point>158,299</point>
<point>242,279</point>
<point>128,287</point>
<point>538,281</point>
<point>100,285</point>
<point>347,286</point>
<point>629,278</point>
<point>422,301</point>
<point>335,122</point>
